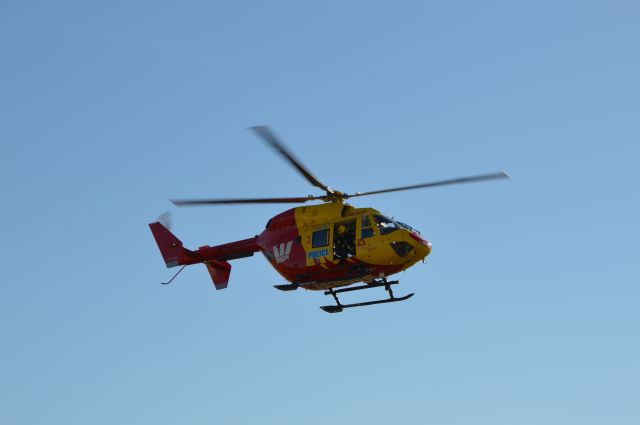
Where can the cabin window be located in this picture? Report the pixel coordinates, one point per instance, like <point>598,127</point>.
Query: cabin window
<point>386,225</point>
<point>367,229</point>
<point>320,238</point>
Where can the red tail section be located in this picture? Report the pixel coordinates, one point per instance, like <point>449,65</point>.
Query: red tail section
<point>214,257</point>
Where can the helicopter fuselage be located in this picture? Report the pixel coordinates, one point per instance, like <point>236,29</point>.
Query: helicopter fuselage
<point>334,244</point>
<point>314,247</point>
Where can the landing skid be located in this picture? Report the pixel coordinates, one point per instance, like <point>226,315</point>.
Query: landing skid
<point>339,307</point>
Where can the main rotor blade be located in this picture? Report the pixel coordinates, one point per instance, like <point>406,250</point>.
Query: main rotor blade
<point>266,133</point>
<point>470,179</point>
<point>195,202</point>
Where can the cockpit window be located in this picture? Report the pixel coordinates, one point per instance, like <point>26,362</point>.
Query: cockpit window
<point>367,230</point>
<point>386,225</point>
<point>365,221</point>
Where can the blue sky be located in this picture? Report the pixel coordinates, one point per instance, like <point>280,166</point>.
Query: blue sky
<point>526,312</point>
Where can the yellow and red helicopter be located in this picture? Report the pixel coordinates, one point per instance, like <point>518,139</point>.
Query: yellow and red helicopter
<point>328,246</point>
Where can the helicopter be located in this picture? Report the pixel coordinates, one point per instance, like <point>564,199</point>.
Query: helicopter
<point>328,246</point>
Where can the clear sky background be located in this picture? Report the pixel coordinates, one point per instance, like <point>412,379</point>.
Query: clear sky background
<point>526,312</point>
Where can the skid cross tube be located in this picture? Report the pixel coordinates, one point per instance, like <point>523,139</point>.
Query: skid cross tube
<point>359,288</point>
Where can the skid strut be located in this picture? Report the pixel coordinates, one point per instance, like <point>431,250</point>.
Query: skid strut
<point>377,283</point>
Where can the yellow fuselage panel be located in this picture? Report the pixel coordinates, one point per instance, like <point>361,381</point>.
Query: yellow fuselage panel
<point>319,217</point>
<point>375,249</point>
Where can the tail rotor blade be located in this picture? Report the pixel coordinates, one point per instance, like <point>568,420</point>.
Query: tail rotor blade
<point>166,219</point>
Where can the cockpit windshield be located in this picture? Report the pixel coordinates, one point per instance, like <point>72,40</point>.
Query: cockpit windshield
<point>385,224</point>
<point>406,226</point>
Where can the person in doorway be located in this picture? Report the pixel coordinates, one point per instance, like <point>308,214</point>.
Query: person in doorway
<point>343,247</point>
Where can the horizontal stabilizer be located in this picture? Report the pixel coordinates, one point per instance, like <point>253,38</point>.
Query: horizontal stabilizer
<point>219,271</point>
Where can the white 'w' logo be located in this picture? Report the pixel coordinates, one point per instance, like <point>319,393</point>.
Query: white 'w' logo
<point>282,254</point>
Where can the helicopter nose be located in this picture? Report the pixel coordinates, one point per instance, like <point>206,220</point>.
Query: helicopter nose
<point>424,244</point>
<point>427,248</point>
